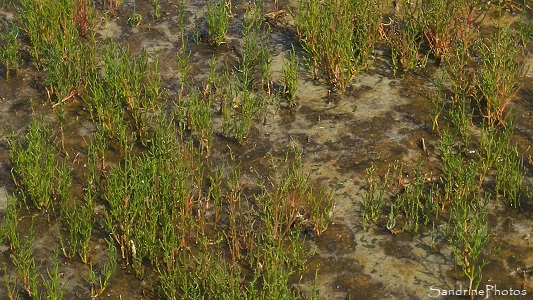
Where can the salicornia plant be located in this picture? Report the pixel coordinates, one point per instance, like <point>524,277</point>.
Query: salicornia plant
<point>404,38</point>
<point>440,18</point>
<point>54,30</point>
<point>469,237</point>
<point>9,48</point>
<point>290,77</point>
<point>37,170</point>
<point>217,19</point>
<point>99,280</point>
<point>339,37</point>
<point>51,282</point>
<point>503,66</point>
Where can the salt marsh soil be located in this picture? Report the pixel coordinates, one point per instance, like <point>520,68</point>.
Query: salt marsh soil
<point>381,119</point>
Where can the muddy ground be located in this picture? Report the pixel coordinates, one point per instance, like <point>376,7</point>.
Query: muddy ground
<point>381,119</point>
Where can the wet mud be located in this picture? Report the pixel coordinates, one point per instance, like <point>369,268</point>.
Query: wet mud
<point>381,119</point>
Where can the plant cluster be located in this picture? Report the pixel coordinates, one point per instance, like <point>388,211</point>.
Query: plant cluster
<point>165,208</point>
<point>42,176</point>
<point>112,6</point>
<point>135,20</point>
<point>169,210</point>
<point>290,77</point>
<point>125,94</point>
<point>442,20</point>
<point>403,37</point>
<point>196,223</point>
<point>34,284</point>
<point>479,160</point>
<point>99,280</point>
<point>503,67</point>
<point>239,101</point>
<point>339,37</point>
<point>217,19</point>
<point>54,29</point>
<point>157,9</point>
<point>9,56</point>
